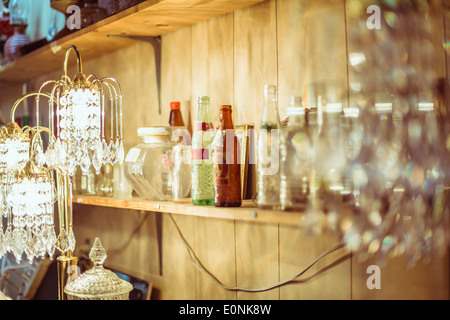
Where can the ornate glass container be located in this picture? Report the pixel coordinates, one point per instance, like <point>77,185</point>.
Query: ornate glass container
<point>98,283</point>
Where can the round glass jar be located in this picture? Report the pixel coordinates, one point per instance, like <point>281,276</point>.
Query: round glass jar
<point>148,166</point>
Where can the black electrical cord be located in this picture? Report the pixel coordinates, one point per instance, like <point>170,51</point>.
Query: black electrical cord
<point>197,263</point>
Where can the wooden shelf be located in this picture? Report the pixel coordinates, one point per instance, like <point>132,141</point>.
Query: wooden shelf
<point>149,18</point>
<point>247,212</point>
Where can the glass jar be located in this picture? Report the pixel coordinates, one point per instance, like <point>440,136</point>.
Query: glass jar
<point>98,283</point>
<point>148,166</point>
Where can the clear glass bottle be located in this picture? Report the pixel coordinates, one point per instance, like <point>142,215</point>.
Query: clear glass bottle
<point>202,165</point>
<point>122,188</point>
<point>329,156</point>
<point>268,152</point>
<point>88,182</point>
<point>295,159</point>
<point>105,186</point>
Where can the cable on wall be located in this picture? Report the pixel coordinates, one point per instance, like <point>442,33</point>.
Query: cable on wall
<point>198,264</point>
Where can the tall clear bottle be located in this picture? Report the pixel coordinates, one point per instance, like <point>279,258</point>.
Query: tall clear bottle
<point>295,159</point>
<point>269,152</point>
<point>202,164</point>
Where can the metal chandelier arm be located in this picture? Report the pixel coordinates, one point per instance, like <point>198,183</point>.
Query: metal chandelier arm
<point>18,101</point>
<point>66,59</point>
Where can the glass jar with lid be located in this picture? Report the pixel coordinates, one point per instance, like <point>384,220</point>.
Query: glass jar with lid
<point>148,166</point>
<point>98,283</point>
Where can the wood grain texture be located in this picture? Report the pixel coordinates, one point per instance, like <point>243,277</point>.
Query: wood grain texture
<point>255,59</point>
<point>212,70</point>
<point>427,280</point>
<point>329,278</point>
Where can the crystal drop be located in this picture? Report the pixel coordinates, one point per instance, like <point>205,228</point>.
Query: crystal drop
<point>51,241</point>
<point>39,248</point>
<point>96,163</point>
<point>112,152</point>
<point>79,154</point>
<point>18,256</point>
<point>29,243</point>
<point>18,244</point>
<point>85,163</point>
<point>39,157</point>
<point>7,238</point>
<point>105,151</point>
<point>59,156</point>
<point>63,241</point>
<point>50,155</point>
<point>71,240</point>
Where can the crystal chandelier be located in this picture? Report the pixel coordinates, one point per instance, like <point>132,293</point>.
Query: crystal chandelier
<point>385,190</point>
<point>78,121</point>
<point>27,195</point>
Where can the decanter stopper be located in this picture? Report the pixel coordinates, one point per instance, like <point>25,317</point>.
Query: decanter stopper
<point>97,253</point>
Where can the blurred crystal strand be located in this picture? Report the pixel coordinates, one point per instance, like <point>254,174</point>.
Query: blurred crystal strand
<point>397,146</point>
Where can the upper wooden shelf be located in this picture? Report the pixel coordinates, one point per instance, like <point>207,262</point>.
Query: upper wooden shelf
<point>149,18</point>
<point>247,212</point>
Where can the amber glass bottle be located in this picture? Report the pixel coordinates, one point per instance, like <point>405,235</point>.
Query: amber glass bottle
<point>226,163</point>
<point>175,120</point>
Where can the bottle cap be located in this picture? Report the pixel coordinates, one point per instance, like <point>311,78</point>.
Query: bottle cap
<point>203,99</point>
<point>174,105</point>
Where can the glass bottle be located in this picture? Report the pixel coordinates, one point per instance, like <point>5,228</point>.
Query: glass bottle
<point>175,119</point>
<point>122,188</point>
<point>226,163</point>
<point>88,182</point>
<point>295,159</point>
<point>329,156</point>
<point>202,165</point>
<point>105,187</point>
<point>268,152</point>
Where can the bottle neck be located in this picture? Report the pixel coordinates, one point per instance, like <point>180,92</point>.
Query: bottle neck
<point>270,113</point>
<point>226,121</point>
<point>203,115</point>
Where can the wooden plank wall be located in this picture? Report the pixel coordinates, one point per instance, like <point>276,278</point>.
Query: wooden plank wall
<point>229,58</point>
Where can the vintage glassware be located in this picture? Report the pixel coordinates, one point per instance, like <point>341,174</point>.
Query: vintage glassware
<point>182,171</point>
<point>122,188</point>
<point>226,163</point>
<point>175,118</point>
<point>295,159</point>
<point>148,166</point>
<point>98,283</point>
<point>202,166</point>
<point>88,182</point>
<point>105,185</point>
<point>268,152</point>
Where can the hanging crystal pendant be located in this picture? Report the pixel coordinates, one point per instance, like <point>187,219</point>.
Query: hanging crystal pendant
<point>71,239</point>
<point>62,244</point>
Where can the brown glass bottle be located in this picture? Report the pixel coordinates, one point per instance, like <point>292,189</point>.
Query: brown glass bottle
<point>175,120</point>
<point>226,163</point>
